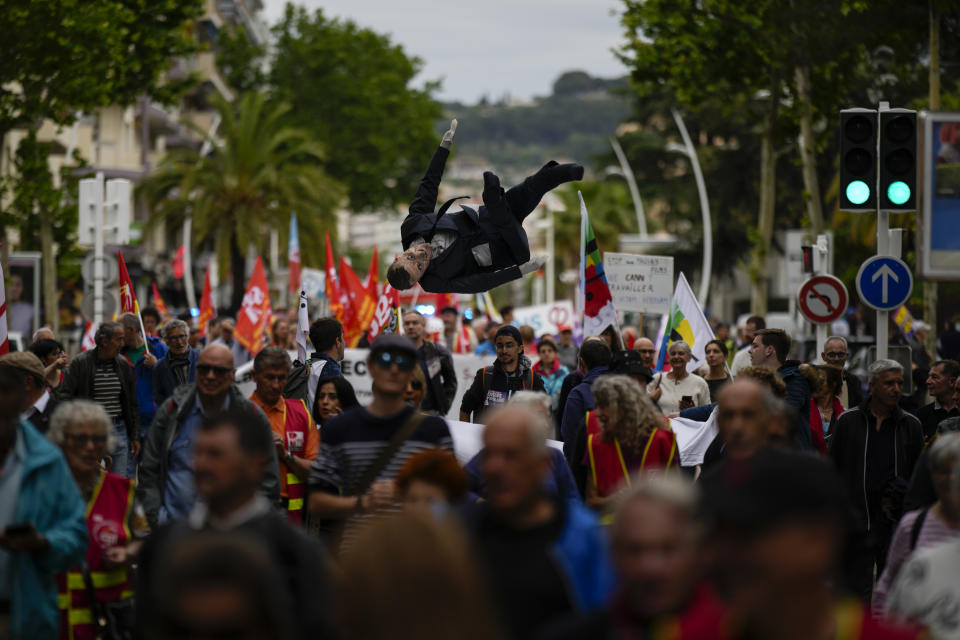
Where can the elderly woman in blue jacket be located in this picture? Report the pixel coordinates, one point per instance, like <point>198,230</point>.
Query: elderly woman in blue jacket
<point>42,526</point>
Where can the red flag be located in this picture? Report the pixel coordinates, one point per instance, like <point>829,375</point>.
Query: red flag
<point>128,299</point>
<point>254,311</point>
<point>206,305</point>
<point>360,306</point>
<point>158,301</point>
<point>178,263</point>
<point>373,275</point>
<point>88,341</point>
<point>386,316</point>
<point>332,284</point>
<point>4,340</point>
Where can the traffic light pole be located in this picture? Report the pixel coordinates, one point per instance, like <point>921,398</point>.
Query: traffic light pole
<point>883,249</point>
<point>98,275</point>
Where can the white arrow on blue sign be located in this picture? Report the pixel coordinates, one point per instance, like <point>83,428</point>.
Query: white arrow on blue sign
<point>884,282</point>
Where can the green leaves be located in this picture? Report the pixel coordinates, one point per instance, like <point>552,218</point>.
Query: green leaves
<point>259,172</point>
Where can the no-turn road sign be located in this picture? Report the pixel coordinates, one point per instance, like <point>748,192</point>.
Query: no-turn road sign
<point>823,299</point>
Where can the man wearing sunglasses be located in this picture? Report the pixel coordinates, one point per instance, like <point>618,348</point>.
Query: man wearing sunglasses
<point>363,448</point>
<point>166,474</point>
<point>471,251</point>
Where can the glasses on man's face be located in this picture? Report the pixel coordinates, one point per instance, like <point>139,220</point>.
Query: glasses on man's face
<point>648,352</point>
<point>206,369</point>
<point>835,355</point>
<point>385,359</point>
<point>177,337</point>
<point>81,439</point>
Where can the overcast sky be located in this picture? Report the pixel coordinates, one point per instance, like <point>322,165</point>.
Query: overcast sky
<point>490,47</point>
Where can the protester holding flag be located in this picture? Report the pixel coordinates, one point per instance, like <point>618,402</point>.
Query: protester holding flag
<point>471,251</point>
<point>142,354</point>
<point>104,376</point>
<point>679,389</point>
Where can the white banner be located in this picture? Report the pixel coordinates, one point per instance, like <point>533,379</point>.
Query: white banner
<point>639,283</point>
<point>545,318</point>
<point>354,367</point>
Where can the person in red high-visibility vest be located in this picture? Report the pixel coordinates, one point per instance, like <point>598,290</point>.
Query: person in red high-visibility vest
<point>116,525</point>
<point>625,435</point>
<point>295,433</point>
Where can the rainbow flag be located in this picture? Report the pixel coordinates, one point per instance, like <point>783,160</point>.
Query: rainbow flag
<point>596,301</point>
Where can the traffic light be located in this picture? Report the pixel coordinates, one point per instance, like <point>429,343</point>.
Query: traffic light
<point>858,160</point>
<point>898,160</point>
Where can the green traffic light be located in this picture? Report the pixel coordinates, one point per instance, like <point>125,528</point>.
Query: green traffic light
<point>898,192</point>
<point>858,191</point>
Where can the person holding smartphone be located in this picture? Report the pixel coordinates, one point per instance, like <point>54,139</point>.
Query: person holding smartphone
<point>42,528</point>
<point>678,389</point>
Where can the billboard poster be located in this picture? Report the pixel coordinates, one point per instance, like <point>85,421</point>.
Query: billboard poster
<point>940,252</point>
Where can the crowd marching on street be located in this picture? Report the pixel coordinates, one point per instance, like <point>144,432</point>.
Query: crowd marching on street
<point>617,489</point>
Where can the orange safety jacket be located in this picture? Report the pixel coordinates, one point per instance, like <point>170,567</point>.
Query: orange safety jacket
<point>108,515</point>
<point>607,465</point>
<point>296,421</point>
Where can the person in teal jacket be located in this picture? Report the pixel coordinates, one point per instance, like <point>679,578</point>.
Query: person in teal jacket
<point>42,519</point>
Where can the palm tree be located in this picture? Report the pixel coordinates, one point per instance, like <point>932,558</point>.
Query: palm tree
<point>258,173</point>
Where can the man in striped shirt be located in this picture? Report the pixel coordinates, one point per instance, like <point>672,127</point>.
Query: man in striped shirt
<point>352,441</point>
<point>105,377</point>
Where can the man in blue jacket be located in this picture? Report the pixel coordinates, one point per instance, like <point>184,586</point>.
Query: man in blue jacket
<point>594,358</point>
<point>143,355</point>
<point>42,524</point>
<point>471,251</point>
<point>179,366</point>
<point>542,557</point>
<point>769,349</point>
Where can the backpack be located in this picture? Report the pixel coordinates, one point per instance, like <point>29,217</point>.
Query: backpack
<point>297,381</point>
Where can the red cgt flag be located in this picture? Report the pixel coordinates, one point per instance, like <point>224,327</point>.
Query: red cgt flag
<point>386,316</point>
<point>359,308</point>
<point>254,311</point>
<point>128,299</point>
<point>207,310</point>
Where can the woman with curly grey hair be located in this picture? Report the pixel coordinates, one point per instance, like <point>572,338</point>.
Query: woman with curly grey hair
<point>632,437</point>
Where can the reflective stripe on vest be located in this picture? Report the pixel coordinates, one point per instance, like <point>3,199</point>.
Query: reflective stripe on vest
<point>107,515</point>
<point>296,421</point>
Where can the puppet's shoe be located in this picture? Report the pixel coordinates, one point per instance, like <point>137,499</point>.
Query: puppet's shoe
<point>492,191</point>
<point>553,175</point>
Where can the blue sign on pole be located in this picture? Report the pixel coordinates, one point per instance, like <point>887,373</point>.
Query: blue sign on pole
<point>884,282</point>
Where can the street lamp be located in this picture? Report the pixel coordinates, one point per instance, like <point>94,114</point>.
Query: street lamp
<point>688,150</point>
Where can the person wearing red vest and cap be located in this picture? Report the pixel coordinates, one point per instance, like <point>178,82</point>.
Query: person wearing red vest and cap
<point>295,433</point>
<point>631,438</point>
<point>116,526</point>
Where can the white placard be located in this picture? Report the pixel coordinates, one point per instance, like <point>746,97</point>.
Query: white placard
<point>545,318</point>
<point>639,283</point>
<point>354,367</point>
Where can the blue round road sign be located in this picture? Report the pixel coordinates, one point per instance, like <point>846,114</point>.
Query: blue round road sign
<point>884,282</point>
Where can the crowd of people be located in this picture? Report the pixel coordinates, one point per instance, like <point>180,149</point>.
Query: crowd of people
<point>143,495</point>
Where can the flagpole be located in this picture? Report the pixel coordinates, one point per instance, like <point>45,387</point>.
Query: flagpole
<point>146,342</point>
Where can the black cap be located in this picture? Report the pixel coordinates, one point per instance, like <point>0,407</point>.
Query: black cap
<point>449,309</point>
<point>510,330</point>
<point>393,342</point>
<point>630,363</point>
